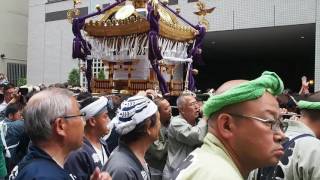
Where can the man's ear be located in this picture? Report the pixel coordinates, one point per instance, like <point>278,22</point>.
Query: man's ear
<point>225,125</point>
<point>148,127</point>
<point>181,110</point>
<point>10,116</point>
<point>59,127</point>
<point>92,121</point>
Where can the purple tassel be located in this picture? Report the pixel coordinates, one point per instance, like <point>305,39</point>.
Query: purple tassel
<point>81,48</point>
<point>195,53</point>
<point>154,53</point>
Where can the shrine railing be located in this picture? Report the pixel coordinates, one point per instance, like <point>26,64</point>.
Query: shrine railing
<point>133,86</point>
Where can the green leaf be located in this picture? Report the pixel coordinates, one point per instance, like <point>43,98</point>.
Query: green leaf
<point>21,82</point>
<point>74,77</point>
<point>101,75</point>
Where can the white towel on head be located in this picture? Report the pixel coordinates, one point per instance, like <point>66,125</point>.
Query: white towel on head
<point>133,111</point>
<point>95,107</point>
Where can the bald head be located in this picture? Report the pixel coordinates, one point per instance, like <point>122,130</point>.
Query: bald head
<point>237,107</point>
<point>229,85</point>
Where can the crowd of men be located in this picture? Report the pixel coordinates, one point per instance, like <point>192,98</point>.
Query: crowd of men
<point>244,130</point>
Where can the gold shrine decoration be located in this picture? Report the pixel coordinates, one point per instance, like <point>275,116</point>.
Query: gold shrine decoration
<point>202,12</point>
<point>176,32</point>
<point>138,25</point>
<point>135,23</point>
<point>116,28</point>
<point>72,13</point>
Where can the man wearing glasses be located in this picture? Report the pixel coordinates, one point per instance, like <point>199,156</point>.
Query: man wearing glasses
<point>55,126</point>
<point>244,131</point>
<point>302,150</point>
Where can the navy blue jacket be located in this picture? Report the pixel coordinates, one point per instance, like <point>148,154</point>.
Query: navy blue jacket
<point>124,165</point>
<point>113,140</point>
<point>38,165</point>
<point>82,163</point>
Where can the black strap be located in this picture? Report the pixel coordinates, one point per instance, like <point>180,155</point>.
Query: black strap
<point>266,172</point>
<point>288,143</point>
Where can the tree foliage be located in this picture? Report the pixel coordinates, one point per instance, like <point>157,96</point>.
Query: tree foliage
<point>101,75</point>
<point>74,77</point>
<point>21,82</point>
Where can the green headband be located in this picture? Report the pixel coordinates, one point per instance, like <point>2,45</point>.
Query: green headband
<point>268,81</point>
<point>309,105</point>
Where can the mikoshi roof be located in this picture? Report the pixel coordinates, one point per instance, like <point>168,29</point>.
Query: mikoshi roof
<point>170,25</point>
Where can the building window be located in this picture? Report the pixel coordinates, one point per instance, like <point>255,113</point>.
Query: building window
<point>54,1</point>
<point>16,71</point>
<point>97,65</point>
<point>189,1</point>
<point>173,2</point>
<point>61,15</point>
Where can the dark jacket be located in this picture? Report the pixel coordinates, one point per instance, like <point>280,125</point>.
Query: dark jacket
<point>38,165</point>
<point>3,169</point>
<point>124,165</point>
<point>16,135</point>
<point>82,163</point>
<point>113,140</point>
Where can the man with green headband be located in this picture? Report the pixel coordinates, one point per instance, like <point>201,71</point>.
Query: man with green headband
<point>302,149</point>
<point>244,131</point>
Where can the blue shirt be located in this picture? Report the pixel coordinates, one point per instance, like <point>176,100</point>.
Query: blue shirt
<point>37,165</point>
<point>82,162</point>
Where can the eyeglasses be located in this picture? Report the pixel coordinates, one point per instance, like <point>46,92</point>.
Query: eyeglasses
<point>82,115</point>
<point>275,124</point>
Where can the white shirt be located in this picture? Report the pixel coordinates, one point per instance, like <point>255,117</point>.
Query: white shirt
<point>3,106</point>
<point>102,154</point>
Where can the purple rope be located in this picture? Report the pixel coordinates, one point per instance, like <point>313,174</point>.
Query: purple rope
<point>154,53</point>
<point>199,40</point>
<point>195,54</point>
<point>81,48</point>
<point>183,19</point>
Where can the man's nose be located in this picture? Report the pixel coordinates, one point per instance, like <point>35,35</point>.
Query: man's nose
<point>279,136</point>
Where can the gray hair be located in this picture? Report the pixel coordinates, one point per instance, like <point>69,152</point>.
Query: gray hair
<point>42,109</point>
<point>181,100</point>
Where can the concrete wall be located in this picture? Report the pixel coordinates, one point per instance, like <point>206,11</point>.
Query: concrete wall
<point>49,52</point>
<point>13,32</point>
<point>243,14</point>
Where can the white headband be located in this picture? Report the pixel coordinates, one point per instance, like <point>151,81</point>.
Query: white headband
<point>95,107</point>
<point>132,112</point>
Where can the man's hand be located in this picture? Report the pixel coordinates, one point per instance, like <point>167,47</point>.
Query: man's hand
<point>98,175</point>
<point>15,98</point>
